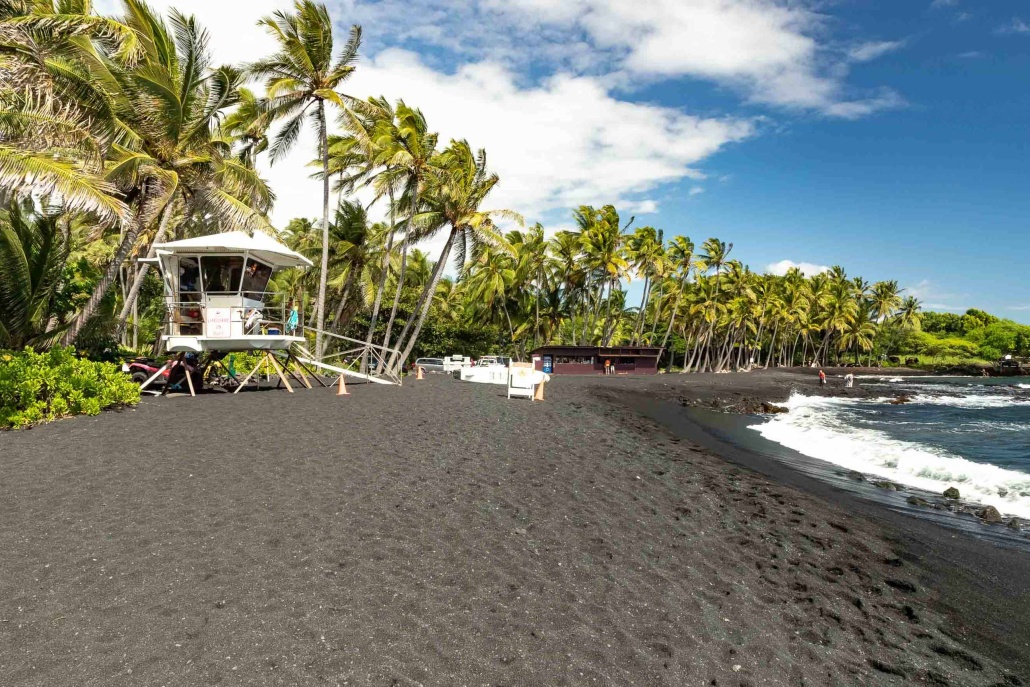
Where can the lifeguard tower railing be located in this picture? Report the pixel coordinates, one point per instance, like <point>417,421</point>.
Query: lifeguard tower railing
<point>355,358</point>
<point>270,318</point>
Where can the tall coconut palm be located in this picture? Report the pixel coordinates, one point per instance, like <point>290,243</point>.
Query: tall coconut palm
<point>681,253</point>
<point>300,78</point>
<point>170,102</point>
<point>713,259</point>
<point>456,189</point>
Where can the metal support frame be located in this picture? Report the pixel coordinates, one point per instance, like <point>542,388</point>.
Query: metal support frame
<point>360,351</point>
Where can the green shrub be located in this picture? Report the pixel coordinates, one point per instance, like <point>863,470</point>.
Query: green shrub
<point>41,387</point>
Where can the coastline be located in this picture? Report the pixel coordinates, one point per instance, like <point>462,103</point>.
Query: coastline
<point>980,583</point>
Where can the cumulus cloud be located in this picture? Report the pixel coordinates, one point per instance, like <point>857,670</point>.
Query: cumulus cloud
<point>558,143</point>
<point>807,268</point>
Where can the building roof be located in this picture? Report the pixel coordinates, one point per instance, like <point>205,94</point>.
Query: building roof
<point>262,246</point>
<point>623,351</point>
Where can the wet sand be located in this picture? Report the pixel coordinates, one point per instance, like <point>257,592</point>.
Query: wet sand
<point>440,534</point>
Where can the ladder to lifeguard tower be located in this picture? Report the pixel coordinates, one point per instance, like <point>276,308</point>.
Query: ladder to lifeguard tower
<point>371,356</point>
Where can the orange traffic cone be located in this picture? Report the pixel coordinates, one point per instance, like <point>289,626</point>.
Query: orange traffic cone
<point>342,389</point>
<point>418,374</point>
<point>539,394</point>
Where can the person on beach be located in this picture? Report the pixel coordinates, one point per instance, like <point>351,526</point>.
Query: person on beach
<point>607,367</point>
<point>849,380</point>
<point>822,378</point>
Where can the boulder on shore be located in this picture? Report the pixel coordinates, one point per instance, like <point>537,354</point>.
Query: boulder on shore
<point>1013,524</point>
<point>989,514</point>
<point>889,486</point>
<point>916,501</point>
<point>951,493</point>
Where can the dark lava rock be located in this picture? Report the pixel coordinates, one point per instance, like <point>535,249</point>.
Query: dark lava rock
<point>916,501</point>
<point>989,514</point>
<point>857,476</point>
<point>898,400</point>
<point>1013,524</point>
<point>771,408</point>
<point>951,493</point>
<point>889,486</point>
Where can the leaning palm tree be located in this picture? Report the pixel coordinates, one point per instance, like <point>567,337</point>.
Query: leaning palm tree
<point>300,78</point>
<point>455,191</point>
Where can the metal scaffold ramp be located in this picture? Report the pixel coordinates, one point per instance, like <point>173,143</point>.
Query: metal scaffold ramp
<point>369,359</point>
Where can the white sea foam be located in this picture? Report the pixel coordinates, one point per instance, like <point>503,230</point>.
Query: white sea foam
<point>1023,386</point>
<point>814,427</point>
<point>972,401</point>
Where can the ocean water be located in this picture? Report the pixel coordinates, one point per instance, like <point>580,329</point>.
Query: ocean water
<point>964,432</point>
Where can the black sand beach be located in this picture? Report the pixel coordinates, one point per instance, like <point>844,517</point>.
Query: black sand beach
<point>440,534</point>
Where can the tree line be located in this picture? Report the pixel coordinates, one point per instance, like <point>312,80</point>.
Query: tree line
<point>118,133</point>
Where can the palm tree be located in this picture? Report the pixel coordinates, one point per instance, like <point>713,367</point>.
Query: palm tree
<point>713,258</point>
<point>455,191</point>
<point>170,103</point>
<point>681,253</point>
<point>300,78</point>
<point>644,248</point>
<point>409,150</point>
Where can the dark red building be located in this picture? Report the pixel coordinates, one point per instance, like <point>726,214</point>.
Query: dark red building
<point>589,360</point>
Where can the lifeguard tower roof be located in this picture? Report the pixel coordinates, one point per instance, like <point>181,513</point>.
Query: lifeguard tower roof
<point>261,246</point>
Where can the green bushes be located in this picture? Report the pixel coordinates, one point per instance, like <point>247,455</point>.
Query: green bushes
<point>41,387</point>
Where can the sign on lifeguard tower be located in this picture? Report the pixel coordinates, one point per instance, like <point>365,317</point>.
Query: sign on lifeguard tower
<point>218,323</point>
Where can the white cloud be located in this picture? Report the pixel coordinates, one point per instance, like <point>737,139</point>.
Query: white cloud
<point>807,268</point>
<point>1020,308</point>
<point>938,4</point>
<point>865,52</point>
<point>775,52</point>
<point>696,190</point>
<point>1017,25</point>
<point>643,207</point>
<point>560,143</point>
<point>971,55</point>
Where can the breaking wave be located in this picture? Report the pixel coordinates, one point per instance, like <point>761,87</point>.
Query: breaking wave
<point>820,428</point>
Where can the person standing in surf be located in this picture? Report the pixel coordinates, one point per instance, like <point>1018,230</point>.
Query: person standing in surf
<point>822,378</point>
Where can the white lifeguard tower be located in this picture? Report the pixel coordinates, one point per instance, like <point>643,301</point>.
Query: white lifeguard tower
<point>217,300</point>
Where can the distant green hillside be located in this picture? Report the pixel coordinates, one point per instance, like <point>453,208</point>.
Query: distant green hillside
<point>973,338</point>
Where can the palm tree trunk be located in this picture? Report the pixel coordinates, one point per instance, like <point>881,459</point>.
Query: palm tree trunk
<point>639,324</point>
<point>323,277</point>
<point>141,274</point>
<point>110,274</point>
<point>657,307</point>
<point>385,271</point>
<point>344,296</point>
<point>397,293</point>
<point>427,299</point>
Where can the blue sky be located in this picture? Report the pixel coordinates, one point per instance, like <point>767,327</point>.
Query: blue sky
<point>888,137</point>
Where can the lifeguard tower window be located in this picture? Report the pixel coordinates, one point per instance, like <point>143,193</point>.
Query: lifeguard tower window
<point>189,280</point>
<point>255,279</point>
<point>222,273</point>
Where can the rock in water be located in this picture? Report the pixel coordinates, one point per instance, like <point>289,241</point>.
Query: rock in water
<point>889,486</point>
<point>951,493</point>
<point>916,501</point>
<point>1013,524</point>
<point>857,476</point>
<point>990,514</point>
